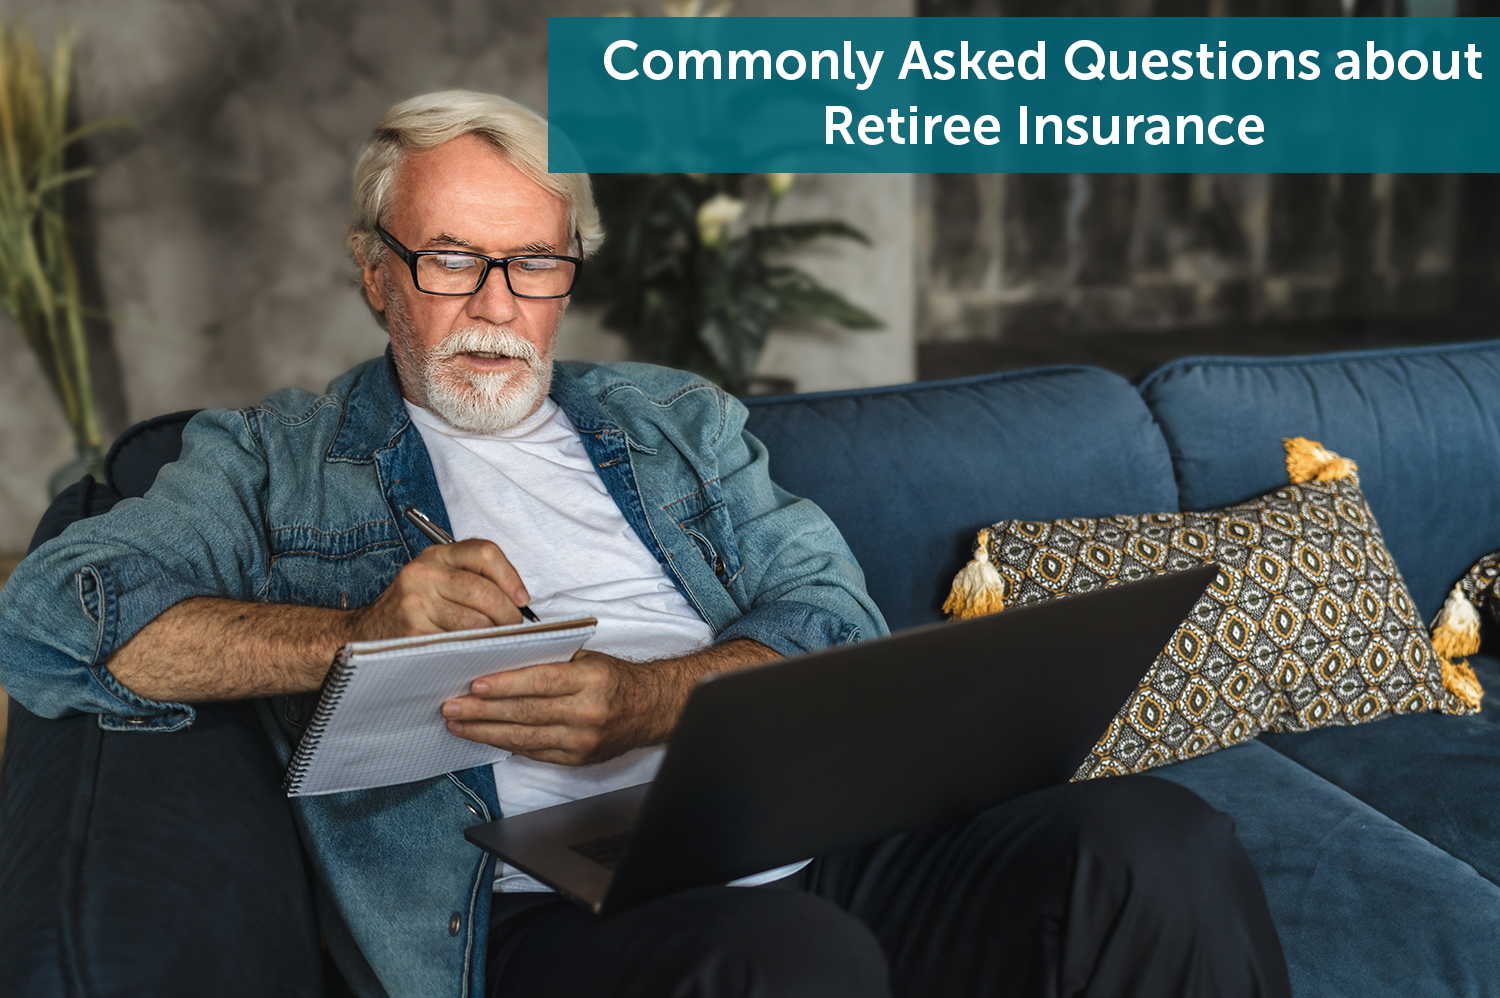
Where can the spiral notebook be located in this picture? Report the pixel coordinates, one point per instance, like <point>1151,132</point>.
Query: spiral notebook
<point>378,721</point>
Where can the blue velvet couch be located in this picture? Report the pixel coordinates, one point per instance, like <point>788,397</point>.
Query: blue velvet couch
<point>166,864</point>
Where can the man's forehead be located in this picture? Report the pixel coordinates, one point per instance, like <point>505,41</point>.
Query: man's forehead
<point>444,240</point>
<point>468,180</point>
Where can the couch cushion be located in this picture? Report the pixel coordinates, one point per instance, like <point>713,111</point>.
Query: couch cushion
<point>909,473</point>
<point>1423,425</point>
<point>1364,906</point>
<point>1438,776</point>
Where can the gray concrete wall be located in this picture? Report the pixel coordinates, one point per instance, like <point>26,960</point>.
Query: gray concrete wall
<point>1068,267</point>
<point>217,221</point>
<point>1027,257</point>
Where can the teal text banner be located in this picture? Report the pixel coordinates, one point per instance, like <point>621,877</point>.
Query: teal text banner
<point>1052,94</point>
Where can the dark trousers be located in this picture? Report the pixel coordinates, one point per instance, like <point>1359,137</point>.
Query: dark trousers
<point>1117,887</point>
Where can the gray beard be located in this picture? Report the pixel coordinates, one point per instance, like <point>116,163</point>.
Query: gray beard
<point>475,402</point>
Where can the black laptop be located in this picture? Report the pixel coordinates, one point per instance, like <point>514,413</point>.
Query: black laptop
<point>776,763</point>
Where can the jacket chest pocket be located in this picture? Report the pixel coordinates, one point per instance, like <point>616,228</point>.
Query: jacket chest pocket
<point>340,570</point>
<point>704,518</point>
<point>309,579</point>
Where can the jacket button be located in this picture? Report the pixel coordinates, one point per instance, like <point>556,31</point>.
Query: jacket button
<point>471,807</point>
<point>135,720</point>
<point>454,921</point>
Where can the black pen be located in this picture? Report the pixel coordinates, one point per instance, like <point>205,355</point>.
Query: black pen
<point>438,535</point>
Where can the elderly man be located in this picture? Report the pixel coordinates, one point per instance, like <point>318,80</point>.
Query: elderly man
<point>631,494</point>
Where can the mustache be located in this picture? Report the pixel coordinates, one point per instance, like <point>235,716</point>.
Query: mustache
<point>486,339</point>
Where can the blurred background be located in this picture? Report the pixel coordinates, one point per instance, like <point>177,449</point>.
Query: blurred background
<point>211,267</point>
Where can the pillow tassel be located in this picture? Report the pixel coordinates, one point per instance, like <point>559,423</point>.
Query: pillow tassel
<point>1455,636</point>
<point>1459,679</point>
<point>1309,461</point>
<point>977,588</point>
<point>1455,633</point>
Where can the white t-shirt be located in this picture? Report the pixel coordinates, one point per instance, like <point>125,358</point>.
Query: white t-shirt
<point>534,491</point>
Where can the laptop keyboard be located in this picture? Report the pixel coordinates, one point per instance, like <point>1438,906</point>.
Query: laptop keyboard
<point>607,852</point>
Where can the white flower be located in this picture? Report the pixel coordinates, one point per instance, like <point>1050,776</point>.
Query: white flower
<point>779,183</point>
<point>716,215</point>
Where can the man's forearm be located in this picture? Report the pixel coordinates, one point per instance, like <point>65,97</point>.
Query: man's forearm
<point>222,649</point>
<point>662,688</point>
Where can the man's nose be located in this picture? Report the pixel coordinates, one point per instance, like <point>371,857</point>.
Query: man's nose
<point>493,303</point>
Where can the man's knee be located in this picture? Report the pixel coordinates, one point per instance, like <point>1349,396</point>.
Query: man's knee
<point>1155,858</point>
<point>1160,835</point>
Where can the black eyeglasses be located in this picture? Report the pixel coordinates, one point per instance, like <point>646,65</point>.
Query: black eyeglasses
<point>455,273</point>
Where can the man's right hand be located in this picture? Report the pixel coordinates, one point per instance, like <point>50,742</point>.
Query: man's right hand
<point>448,587</point>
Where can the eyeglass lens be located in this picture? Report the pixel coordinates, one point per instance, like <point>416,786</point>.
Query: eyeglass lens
<point>458,273</point>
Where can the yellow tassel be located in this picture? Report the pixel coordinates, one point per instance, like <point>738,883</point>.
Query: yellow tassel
<point>1455,633</point>
<point>977,588</point>
<point>1460,680</point>
<point>1307,460</point>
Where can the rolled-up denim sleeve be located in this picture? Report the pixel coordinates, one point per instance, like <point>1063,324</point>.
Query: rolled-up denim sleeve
<point>804,588</point>
<point>199,531</point>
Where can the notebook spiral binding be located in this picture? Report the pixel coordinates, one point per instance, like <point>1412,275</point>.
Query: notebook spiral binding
<point>338,680</point>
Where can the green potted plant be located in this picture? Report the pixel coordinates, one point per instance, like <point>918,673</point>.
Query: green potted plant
<point>38,279</point>
<point>689,287</point>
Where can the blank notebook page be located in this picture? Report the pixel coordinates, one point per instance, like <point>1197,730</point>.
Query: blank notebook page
<point>379,720</point>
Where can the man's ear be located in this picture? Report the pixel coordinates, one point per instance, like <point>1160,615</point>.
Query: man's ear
<point>374,280</point>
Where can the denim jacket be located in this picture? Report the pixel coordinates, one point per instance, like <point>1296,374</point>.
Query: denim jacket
<point>295,500</point>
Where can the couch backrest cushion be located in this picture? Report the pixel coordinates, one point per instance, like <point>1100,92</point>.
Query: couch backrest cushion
<point>910,473</point>
<point>141,451</point>
<point>1423,424</point>
<point>129,469</point>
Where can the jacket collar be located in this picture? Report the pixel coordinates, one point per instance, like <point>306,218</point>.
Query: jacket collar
<point>581,407</point>
<point>377,429</point>
<point>375,416</point>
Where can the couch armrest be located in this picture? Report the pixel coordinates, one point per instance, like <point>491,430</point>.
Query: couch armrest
<point>147,863</point>
<point>150,864</point>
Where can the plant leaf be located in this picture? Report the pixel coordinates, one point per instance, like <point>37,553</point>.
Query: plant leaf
<point>800,295</point>
<point>771,238</point>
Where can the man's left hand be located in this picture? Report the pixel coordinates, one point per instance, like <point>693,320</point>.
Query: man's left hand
<point>592,708</point>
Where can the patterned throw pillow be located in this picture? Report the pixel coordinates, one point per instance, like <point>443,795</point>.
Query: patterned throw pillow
<point>1308,623</point>
<point>1455,632</point>
<point>1479,584</point>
